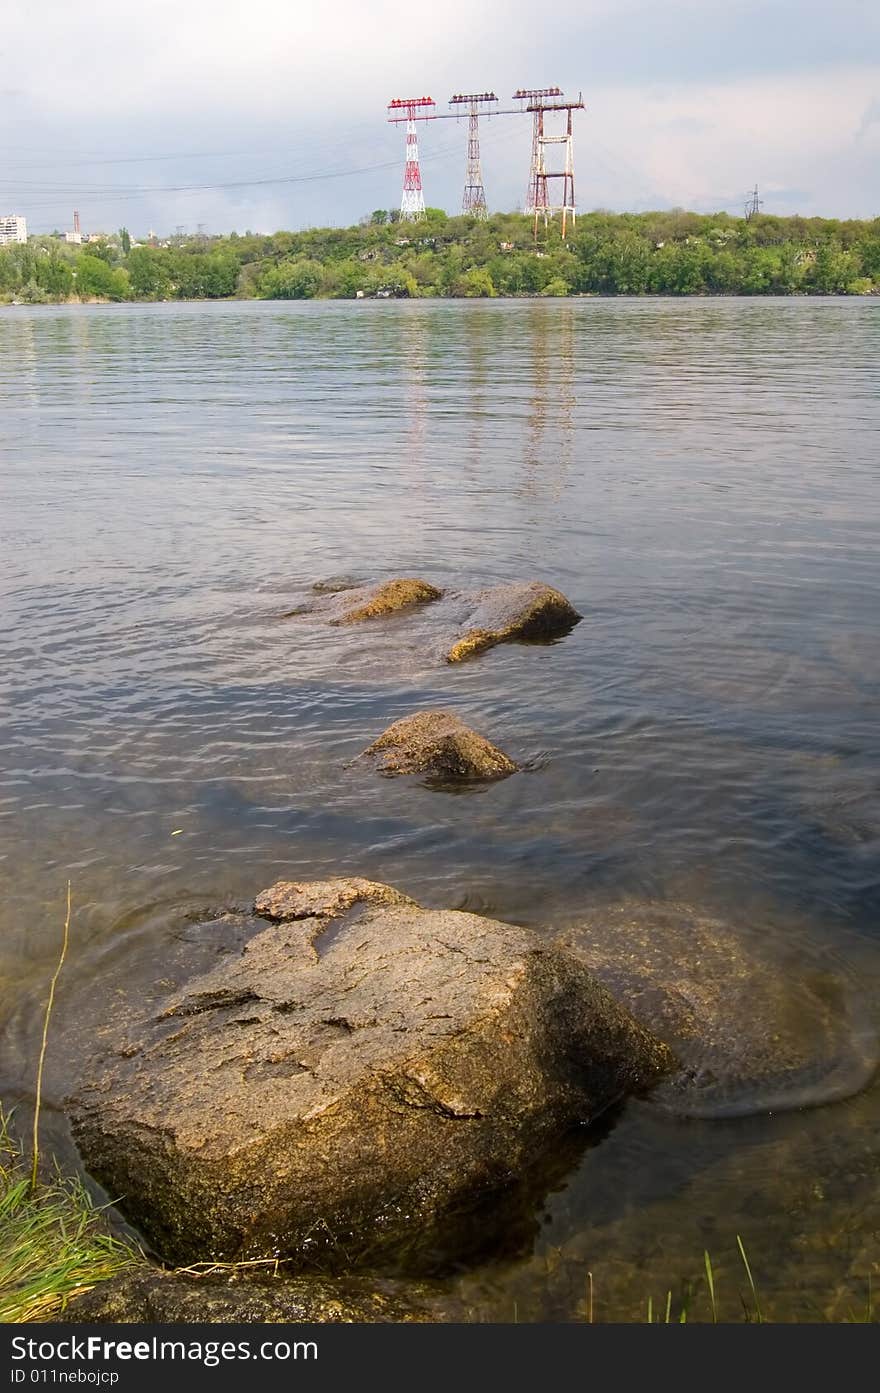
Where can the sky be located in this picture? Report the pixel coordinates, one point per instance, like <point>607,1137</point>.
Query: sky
<point>216,115</point>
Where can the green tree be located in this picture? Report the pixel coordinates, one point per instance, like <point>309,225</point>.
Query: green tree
<point>292,280</point>
<point>55,276</point>
<point>833,270</point>
<point>475,283</point>
<point>95,277</point>
<point>102,250</point>
<point>124,240</point>
<point>150,273</point>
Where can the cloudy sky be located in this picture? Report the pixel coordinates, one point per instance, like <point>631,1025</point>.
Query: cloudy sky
<point>229,116</point>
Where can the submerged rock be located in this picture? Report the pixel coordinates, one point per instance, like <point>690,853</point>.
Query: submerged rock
<point>332,585</point>
<point>354,605</point>
<point>756,1030</point>
<point>150,1296</point>
<point>340,1083</point>
<point>528,610</point>
<point>438,743</point>
<point>439,625</point>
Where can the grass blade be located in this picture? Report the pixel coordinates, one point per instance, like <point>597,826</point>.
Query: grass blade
<point>710,1283</point>
<point>753,1288</point>
<point>49,1004</point>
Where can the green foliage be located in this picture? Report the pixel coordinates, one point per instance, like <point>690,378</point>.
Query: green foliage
<point>103,251</point>
<point>292,280</point>
<point>55,276</point>
<point>94,277</point>
<point>53,1243</point>
<point>204,276</point>
<point>473,284</point>
<point>555,287</point>
<point>150,273</point>
<point>671,252</point>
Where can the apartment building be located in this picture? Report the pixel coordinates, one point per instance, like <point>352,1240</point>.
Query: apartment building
<point>13,228</point>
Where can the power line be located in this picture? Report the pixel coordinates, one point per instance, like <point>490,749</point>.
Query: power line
<point>123,194</point>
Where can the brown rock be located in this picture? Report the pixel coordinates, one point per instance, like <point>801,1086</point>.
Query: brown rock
<point>335,1087</point>
<point>150,1296</point>
<point>755,1030</point>
<point>322,899</point>
<point>528,611</point>
<point>354,605</point>
<point>438,743</point>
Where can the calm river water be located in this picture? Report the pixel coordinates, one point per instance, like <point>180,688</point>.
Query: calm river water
<point>699,477</point>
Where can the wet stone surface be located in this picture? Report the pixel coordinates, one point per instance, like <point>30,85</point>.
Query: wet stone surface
<point>437,743</point>
<point>343,1080</point>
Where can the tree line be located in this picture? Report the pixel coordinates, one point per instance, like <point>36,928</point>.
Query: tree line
<point>662,253</point>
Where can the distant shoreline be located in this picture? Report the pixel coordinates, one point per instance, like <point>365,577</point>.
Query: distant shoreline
<point>670,253</point>
<point>646,297</point>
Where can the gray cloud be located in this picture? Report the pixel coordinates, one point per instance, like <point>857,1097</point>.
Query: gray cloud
<point>205,113</point>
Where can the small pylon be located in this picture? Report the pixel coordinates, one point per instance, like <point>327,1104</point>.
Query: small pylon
<point>412,204</point>
<point>754,204</point>
<point>474,197</point>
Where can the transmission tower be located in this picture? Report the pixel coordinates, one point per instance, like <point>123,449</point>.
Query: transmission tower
<point>540,201</point>
<point>474,197</point>
<point>754,204</point>
<point>534,96</point>
<point>412,204</point>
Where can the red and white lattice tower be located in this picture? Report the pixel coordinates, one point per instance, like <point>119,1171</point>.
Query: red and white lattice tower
<point>411,110</point>
<point>474,197</point>
<point>534,96</point>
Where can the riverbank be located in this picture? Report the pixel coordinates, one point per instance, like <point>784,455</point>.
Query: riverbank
<point>54,1244</point>
<point>662,253</point>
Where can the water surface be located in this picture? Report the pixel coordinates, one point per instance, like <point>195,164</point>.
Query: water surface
<point>699,477</point>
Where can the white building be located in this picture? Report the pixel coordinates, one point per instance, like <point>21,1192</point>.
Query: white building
<point>13,228</point>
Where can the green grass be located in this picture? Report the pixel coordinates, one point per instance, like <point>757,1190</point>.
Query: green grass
<point>53,1242</point>
<point>751,1304</point>
<point>749,1299</point>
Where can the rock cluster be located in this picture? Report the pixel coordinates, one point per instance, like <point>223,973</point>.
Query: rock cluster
<point>462,623</point>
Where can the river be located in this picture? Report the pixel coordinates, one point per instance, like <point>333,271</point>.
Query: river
<point>700,477</point>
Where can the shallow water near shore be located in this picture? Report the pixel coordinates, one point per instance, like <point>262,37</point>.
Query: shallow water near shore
<point>699,477</point>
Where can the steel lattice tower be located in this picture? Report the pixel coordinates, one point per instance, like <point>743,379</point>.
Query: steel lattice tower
<point>542,205</point>
<point>412,204</point>
<point>534,96</point>
<point>474,197</point>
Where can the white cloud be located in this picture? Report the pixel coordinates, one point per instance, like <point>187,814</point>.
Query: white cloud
<point>705,145</point>
<point>689,102</point>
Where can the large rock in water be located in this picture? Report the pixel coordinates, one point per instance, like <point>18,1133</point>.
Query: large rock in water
<point>522,610</point>
<point>439,744</point>
<point>341,1081</point>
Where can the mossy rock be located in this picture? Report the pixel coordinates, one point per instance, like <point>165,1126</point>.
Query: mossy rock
<point>437,743</point>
